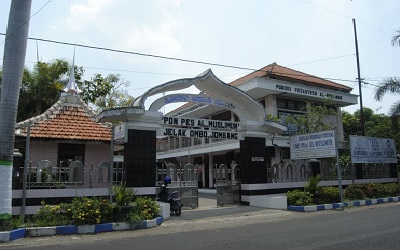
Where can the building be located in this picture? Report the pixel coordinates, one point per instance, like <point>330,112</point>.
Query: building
<point>232,132</point>
<point>69,153</point>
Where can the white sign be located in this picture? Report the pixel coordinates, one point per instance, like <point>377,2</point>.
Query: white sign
<point>197,133</point>
<point>257,158</point>
<point>119,133</point>
<point>313,145</point>
<point>372,150</point>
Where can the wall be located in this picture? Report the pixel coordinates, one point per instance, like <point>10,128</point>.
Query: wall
<point>96,153</point>
<point>43,150</point>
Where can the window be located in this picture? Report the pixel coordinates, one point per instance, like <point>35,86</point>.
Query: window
<point>68,152</point>
<point>291,104</point>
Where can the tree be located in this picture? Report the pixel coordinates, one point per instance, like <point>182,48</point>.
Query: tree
<point>118,96</point>
<point>317,118</point>
<point>376,125</point>
<point>391,85</point>
<point>42,85</point>
<point>13,66</point>
<point>396,38</point>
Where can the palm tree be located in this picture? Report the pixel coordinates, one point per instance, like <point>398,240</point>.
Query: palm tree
<point>396,38</point>
<point>391,85</point>
<point>13,66</point>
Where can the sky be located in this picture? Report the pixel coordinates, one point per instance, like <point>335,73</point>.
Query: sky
<point>311,36</point>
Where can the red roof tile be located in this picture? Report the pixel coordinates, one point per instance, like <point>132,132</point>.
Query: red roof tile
<point>69,118</point>
<point>279,72</point>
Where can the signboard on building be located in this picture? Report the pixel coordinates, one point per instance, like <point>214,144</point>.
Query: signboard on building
<point>119,133</point>
<point>197,133</point>
<point>198,128</point>
<point>313,145</point>
<point>364,149</point>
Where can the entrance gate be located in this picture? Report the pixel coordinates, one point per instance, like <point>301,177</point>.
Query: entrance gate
<point>228,185</point>
<point>183,180</point>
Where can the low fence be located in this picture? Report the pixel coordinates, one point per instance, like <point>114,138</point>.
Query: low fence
<point>291,172</point>
<point>75,175</point>
<point>184,180</point>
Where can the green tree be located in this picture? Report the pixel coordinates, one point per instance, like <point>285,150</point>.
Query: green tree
<point>391,85</point>
<point>42,85</point>
<point>13,66</point>
<point>376,125</point>
<point>97,87</point>
<point>396,38</point>
<point>315,119</point>
<point>118,96</point>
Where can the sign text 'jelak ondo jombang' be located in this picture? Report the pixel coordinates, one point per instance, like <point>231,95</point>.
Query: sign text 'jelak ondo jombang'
<point>313,145</point>
<point>198,128</point>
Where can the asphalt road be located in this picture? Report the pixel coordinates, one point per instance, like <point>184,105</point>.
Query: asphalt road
<point>243,227</point>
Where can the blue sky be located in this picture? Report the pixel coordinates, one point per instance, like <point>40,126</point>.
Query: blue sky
<point>312,36</point>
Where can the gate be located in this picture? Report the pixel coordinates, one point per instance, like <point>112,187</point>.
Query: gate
<point>228,185</point>
<point>183,180</point>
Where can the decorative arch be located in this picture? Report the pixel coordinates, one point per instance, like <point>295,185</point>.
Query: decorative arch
<point>213,90</point>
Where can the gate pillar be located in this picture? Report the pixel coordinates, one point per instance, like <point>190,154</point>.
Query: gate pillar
<point>252,158</point>
<point>140,158</point>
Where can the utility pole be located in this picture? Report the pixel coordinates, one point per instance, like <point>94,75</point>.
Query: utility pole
<point>359,82</point>
<point>359,167</point>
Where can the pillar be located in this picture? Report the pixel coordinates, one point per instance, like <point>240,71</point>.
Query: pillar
<point>253,167</point>
<point>140,158</point>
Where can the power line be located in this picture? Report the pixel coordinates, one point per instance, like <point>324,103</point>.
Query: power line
<point>186,60</point>
<point>341,14</point>
<point>326,59</point>
<point>10,35</point>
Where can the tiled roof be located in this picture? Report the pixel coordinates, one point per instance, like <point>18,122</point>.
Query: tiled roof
<point>279,72</point>
<point>69,118</point>
<point>276,71</point>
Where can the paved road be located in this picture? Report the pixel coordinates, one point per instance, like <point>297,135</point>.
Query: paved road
<point>243,227</point>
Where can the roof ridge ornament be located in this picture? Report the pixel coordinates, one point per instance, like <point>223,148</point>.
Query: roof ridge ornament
<point>72,87</point>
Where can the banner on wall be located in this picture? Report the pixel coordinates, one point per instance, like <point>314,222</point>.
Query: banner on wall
<point>313,145</point>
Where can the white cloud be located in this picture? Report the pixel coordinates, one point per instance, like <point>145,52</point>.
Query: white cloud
<point>139,26</point>
<point>83,15</point>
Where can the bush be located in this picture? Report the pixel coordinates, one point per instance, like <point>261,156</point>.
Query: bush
<point>387,190</point>
<point>122,195</point>
<point>312,184</point>
<point>327,195</point>
<point>86,211</point>
<point>51,215</point>
<point>354,192</point>
<point>299,198</point>
<point>369,190</point>
<point>81,211</point>
<point>147,208</point>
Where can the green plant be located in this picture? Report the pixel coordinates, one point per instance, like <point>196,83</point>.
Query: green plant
<point>312,184</point>
<point>327,195</point>
<point>84,210</point>
<point>122,195</point>
<point>147,208</point>
<point>299,198</point>
<point>51,215</point>
<point>16,222</point>
<point>387,190</point>
<point>369,190</point>
<point>354,192</point>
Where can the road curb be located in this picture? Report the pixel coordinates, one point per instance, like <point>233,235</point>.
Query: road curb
<point>67,230</point>
<point>341,205</point>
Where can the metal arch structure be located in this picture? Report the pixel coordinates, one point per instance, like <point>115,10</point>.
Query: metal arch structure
<point>246,107</point>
